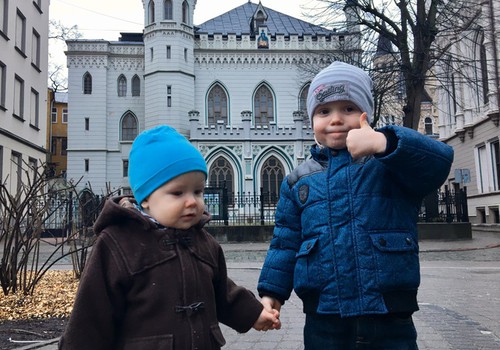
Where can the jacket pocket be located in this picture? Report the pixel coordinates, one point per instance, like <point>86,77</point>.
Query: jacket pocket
<point>396,261</point>
<point>307,274</point>
<point>217,336</point>
<point>157,342</point>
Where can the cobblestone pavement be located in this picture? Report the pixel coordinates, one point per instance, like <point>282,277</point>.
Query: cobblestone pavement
<point>459,308</point>
<point>459,297</point>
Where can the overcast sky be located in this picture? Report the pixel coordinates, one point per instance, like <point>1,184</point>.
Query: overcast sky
<point>105,19</point>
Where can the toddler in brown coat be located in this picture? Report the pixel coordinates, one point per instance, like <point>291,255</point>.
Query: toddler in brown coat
<point>155,278</point>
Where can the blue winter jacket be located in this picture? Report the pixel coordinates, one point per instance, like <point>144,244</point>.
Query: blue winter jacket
<point>346,231</point>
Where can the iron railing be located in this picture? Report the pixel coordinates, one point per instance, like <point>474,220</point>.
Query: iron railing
<point>240,208</point>
<point>445,206</point>
<point>233,209</point>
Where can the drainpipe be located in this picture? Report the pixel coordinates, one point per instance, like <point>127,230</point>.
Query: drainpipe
<point>495,53</point>
<point>49,122</point>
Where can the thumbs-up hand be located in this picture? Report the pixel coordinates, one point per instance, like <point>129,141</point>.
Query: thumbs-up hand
<point>365,141</point>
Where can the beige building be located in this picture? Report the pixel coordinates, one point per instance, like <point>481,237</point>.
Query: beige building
<point>468,107</point>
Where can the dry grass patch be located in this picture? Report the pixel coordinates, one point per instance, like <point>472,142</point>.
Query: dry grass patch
<point>53,298</point>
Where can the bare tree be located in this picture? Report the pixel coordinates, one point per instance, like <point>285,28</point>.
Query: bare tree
<point>413,27</point>
<point>28,214</point>
<point>58,34</point>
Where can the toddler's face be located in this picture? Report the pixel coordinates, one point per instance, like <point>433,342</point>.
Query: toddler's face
<point>179,203</point>
<point>333,120</point>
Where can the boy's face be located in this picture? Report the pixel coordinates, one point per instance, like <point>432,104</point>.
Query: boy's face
<point>179,203</point>
<point>333,120</point>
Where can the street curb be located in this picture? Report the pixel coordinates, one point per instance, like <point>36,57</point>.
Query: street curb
<point>39,345</point>
<point>464,249</point>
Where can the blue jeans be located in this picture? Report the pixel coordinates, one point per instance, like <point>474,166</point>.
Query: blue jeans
<point>378,332</point>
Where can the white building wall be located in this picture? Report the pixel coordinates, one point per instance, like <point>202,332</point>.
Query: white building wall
<point>23,133</point>
<point>101,143</point>
<point>235,63</point>
<point>241,81</point>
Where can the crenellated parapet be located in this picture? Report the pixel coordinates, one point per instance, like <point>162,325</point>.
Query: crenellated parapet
<point>246,131</point>
<point>104,54</point>
<point>340,41</point>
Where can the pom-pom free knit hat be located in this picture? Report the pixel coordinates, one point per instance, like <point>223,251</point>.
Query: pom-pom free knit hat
<point>157,156</point>
<point>341,82</point>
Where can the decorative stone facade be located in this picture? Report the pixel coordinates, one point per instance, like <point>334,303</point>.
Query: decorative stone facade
<point>469,114</point>
<point>233,87</point>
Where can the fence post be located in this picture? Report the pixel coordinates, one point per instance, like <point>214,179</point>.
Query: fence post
<point>225,205</point>
<point>69,213</point>
<point>431,202</point>
<point>262,206</point>
<point>463,202</point>
<point>447,201</point>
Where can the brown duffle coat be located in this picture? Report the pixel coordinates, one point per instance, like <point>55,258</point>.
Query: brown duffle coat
<point>145,287</point>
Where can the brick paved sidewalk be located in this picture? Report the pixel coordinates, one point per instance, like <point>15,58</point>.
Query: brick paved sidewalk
<point>459,297</point>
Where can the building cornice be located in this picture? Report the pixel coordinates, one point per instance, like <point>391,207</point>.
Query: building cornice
<point>16,138</point>
<point>169,71</point>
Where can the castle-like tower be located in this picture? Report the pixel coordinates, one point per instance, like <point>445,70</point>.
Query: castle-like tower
<point>169,77</point>
<point>234,85</point>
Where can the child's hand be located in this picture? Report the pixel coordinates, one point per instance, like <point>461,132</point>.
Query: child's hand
<point>365,141</point>
<point>268,320</point>
<point>270,303</point>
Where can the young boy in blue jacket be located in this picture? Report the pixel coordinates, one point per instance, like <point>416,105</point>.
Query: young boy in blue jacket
<point>346,224</point>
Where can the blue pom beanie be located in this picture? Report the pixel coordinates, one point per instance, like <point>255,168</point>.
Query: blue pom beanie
<point>157,156</point>
<point>341,82</point>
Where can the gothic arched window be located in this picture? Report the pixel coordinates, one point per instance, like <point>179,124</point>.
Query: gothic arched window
<point>272,176</point>
<point>167,9</point>
<point>221,175</point>
<point>303,102</point>
<point>122,86</point>
<point>151,12</point>
<point>263,106</point>
<point>87,83</point>
<point>260,20</point>
<point>185,12</point>
<point>484,72</point>
<point>428,126</point>
<point>128,127</point>
<point>217,105</point>
<point>136,85</point>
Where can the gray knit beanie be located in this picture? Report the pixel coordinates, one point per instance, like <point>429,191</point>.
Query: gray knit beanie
<point>341,82</point>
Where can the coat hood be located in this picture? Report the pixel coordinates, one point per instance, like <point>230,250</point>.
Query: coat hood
<point>123,210</point>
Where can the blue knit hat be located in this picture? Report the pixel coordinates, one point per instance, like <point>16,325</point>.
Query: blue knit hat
<point>341,82</point>
<point>157,156</point>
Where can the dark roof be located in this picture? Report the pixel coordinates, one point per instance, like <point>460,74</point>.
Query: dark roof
<point>238,21</point>
<point>426,97</point>
<point>134,37</point>
<point>384,46</point>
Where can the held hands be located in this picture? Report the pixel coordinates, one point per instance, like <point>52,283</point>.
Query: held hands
<point>365,141</point>
<point>269,317</point>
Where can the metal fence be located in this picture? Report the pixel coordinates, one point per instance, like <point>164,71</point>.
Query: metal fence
<point>445,206</point>
<point>240,208</point>
<point>259,209</point>
<point>71,214</point>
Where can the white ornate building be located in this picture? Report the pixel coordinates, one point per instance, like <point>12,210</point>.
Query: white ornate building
<point>24,28</point>
<point>231,85</point>
<point>469,114</point>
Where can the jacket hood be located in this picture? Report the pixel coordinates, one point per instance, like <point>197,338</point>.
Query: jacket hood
<point>122,210</point>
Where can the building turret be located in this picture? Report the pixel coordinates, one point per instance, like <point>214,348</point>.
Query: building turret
<point>169,62</point>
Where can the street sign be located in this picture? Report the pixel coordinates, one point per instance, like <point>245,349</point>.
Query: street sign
<point>462,176</point>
